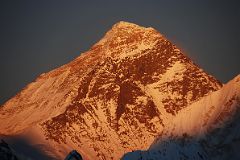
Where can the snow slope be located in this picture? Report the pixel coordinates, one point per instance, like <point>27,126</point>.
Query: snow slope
<point>207,129</point>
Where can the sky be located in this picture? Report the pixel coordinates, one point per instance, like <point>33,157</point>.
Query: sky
<point>37,36</point>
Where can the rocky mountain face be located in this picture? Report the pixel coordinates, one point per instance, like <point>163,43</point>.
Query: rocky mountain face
<point>122,94</point>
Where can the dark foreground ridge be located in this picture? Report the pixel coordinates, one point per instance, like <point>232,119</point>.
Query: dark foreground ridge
<point>6,152</point>
<point>74,155</point>
<point>20,148</point>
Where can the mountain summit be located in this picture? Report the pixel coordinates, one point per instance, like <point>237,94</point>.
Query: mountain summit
<point>115,98</point>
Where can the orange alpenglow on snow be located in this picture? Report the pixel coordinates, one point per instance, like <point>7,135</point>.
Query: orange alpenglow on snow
<point>131,90</point>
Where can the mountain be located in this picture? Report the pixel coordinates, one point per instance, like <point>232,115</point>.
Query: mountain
<point>115,98</point>
<point>207,129</point>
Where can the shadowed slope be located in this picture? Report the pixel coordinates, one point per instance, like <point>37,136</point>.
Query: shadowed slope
<point>24,149</point>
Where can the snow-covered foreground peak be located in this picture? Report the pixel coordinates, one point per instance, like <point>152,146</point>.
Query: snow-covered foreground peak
<point>207,129</point>
<point>200,117</point>
<point>115,98</point>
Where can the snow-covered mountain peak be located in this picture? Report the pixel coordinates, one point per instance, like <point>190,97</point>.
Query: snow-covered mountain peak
<point>129,25</point>
<point>119,94</point>
<point>125,39</point>
<point>123,24</point>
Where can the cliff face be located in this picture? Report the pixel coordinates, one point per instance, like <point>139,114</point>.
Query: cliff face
<point>114,98</point>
